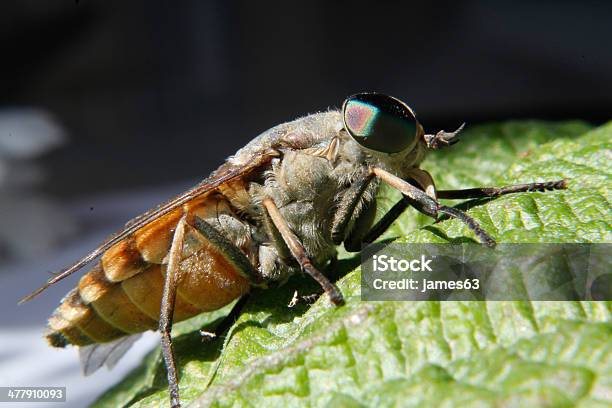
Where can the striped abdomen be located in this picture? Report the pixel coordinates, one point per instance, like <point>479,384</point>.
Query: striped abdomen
<point>122,294</point>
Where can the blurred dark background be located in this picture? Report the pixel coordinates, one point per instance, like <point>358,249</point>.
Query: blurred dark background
<point>151,92</point>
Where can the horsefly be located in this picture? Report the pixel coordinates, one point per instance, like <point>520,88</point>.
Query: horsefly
<point>279,206</point>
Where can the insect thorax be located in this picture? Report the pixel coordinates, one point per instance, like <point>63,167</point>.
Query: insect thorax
<point>308,183</point>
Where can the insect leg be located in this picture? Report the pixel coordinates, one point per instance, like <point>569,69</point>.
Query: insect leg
<point>228,250</point>
<point>299,252</point>
<point>167,309</point>
<point>362,233</point>
<point>346,208</point>
<point>483,192</point>
<point>429,206</point>
<point>385,222</point>
<point>398,208</point>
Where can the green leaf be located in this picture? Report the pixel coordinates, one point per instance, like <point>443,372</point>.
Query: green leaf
<point>426,353</point>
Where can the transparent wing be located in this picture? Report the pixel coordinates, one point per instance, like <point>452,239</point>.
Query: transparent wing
<point>96,355</point>
<point>224,174</point>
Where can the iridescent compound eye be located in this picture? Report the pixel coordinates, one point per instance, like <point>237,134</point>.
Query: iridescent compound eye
<point>379,122</point>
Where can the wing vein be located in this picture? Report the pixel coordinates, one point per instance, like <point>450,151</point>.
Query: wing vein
<point>221,176</point>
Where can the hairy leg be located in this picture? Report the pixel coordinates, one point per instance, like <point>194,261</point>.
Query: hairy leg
<point>429,206</point>
<point>484,192</point>
<point>398,208</point>
<point>167,309</point>
<point>299,252</point>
